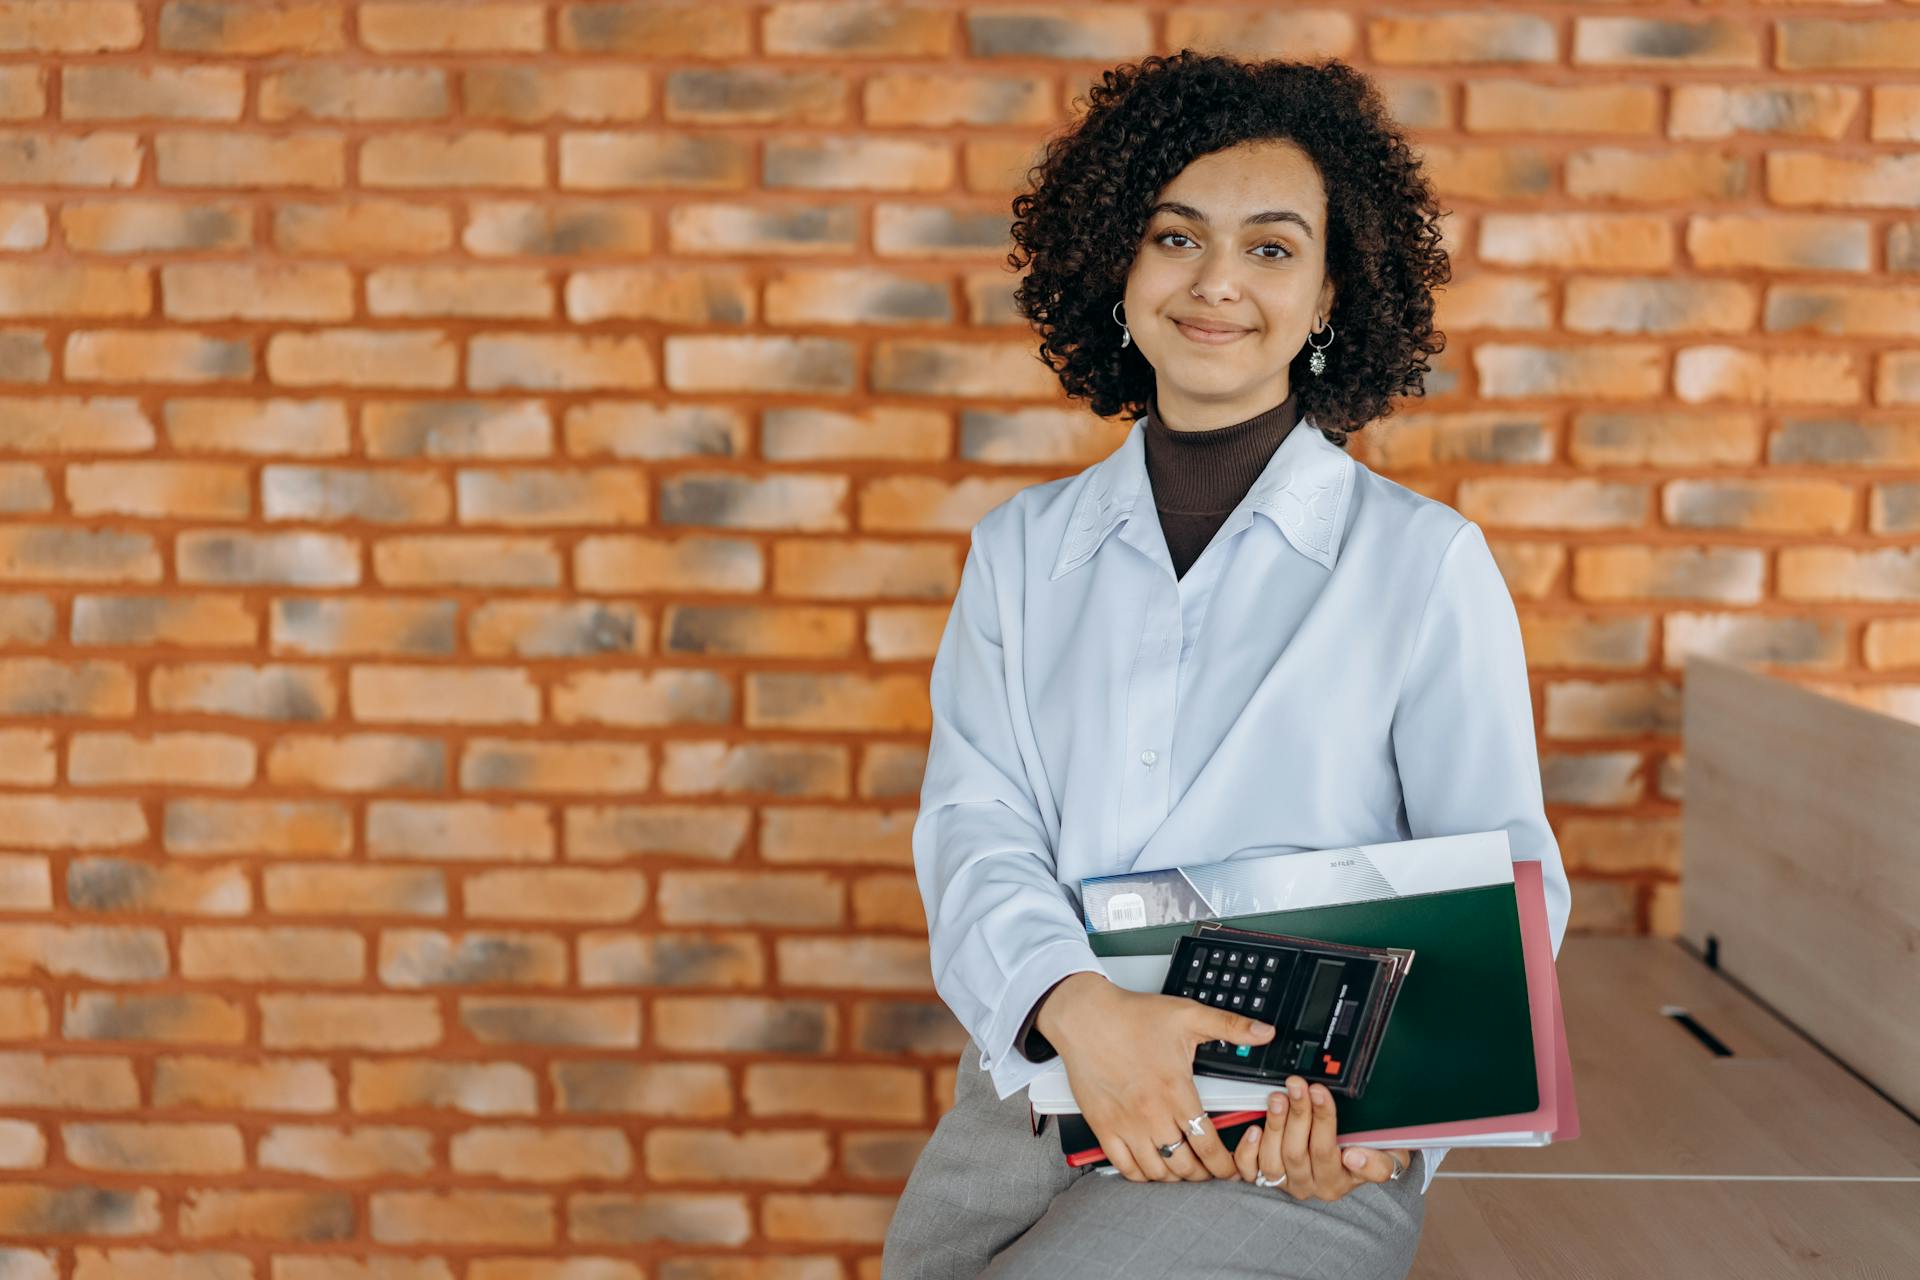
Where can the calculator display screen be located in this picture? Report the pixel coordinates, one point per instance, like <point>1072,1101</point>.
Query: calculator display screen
<point>1319,1002</point>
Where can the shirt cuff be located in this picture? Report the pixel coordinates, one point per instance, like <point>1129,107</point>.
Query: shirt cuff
<point>1429,1164</point>
<point>1036,976</point>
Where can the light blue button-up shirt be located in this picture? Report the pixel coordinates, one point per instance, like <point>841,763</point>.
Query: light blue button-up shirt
<point>1342,665</point>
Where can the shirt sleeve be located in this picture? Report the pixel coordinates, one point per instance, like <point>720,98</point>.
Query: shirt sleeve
<point>1001,928</point>
<point>1463,738</point>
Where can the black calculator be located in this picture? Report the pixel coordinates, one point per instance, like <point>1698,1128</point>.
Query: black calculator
<point>1327,1002</point>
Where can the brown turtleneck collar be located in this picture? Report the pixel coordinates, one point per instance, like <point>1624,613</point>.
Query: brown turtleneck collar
<point>1199,477</point>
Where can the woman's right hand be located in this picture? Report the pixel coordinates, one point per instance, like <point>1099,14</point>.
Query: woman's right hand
<point>1129,1060</point>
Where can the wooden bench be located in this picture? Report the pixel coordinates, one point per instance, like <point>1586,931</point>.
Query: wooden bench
<point>1782,1157</point>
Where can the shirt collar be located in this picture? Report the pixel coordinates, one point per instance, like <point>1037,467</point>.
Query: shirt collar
<point>1304,489</point>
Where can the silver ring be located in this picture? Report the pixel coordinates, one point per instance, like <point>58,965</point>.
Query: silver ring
<point>1166,1149</point>
<point>1260,1179</point>
<point>1197,1126</point>
<point>1399,1170</point>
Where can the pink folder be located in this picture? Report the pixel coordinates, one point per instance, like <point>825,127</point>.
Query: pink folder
<point>1557,1113</point>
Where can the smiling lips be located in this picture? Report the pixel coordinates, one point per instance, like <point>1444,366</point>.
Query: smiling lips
<point>1207,337</point>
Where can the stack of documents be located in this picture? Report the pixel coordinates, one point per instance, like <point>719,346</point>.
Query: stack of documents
<point>1476,1052</point>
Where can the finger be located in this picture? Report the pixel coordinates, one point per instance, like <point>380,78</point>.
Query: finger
<point>1206,1146</point>
<point>1187,1165</point>
<point>1273,1160</point>
<point>1211,1023</point>
<point>1114,1147</point>
<point>1366,1164</point>
<point>1329,1175</point>
<point>1294,1155</point>
<point>1246,1156</point>
<point>1146,1153</point>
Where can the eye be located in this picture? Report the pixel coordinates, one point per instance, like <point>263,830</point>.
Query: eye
<point>1270,244</point>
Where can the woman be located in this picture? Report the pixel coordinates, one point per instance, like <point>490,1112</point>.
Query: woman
<point>1226,637</point>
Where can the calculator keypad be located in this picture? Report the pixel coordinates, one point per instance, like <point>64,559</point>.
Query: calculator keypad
<point>1246,980</point>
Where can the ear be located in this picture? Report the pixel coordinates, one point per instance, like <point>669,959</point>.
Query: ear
<point>1324,307</point>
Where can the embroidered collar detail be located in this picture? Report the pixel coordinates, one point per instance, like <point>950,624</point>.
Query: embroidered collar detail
<point>1304,490</point>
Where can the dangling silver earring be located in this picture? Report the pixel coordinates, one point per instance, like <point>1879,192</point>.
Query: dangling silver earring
<point>1126,334</point>
<point>1317,362</point>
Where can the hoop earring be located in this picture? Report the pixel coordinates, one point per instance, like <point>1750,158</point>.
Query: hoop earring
<point>1126,334</point>
<point>1317,363</point>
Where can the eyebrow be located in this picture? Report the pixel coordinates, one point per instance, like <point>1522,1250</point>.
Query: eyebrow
<point>1269,215</point>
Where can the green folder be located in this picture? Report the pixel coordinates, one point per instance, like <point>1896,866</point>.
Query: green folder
<point>1459,1045</point>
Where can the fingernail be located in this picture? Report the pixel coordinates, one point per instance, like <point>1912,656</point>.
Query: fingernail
<point>1252,1134</point>
<point>1296,1089</point>
<point>1279,1103</point>
<point>1355,1160</point>
<point>1320,1093</point>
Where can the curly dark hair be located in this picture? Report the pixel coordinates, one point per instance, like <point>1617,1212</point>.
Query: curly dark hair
<point>1081,222</point>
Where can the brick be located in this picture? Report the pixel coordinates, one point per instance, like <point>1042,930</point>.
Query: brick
<point>471,1088</point>
<point>777,1268</point>
<point>873,963</point>
<point>561,894</point>
<point>466,561</point>
<point>381,1267</point>
<point>28,1211</point>
<point>1630,439</point>
<point>311,428</point>
<point>881,1155</point>
<point>461,1217</point>
<point>1554,504</point>
<point>706,768</point>
<point>622,958</point>
<point>200,621</point>
<point>587,496</point>
<point>1591,779</point>
<point>659,29</point>
<point>102,953</point>
<point>1767,506</point>
<point>1874,182</point>
<point>1843,310</point>
<point>482,292</point>
<point>256,291</point>
<point>1454,38</point>
<point>1604,907</point>
<point>26,883</point>
<point>127,355</point>
<point>310,1217</point>
<point>477,158</point>
<point>880,704</point>
<point>256,954</point>
<point>1892,643</point>
<point>633,700</point>
<point>51,289</point>
<point>1842,573</point>
<point>23,92</point>
<point>182,759</point>
<point>503,228</point>
<point>1425,440</point>
<point>443,27</point>
<point>475,695</point>
<point>1614,372</point>
<point>626,160</point>
<point>831,568</point>
<point>684,1218</point>
<point>425,958</point>
<point>1645,42</point>
<point>732,1024</point>
<point>888,902</point>
<point>1897,380</point>
<point>98,159</point>
<point>1646,305</point>
<point>1841,442</point>
<point>1814,44</point>
<point>1728,575</point>
<point>919,367</point>
<point>372,1151</point>
<point>369,226</point>
<point>606,1023</point>
<point>274,559</point>
<point>1779,242</point>
<point>1746,639</point>
<point>230,159</point>
<point>104,92</point>
<point>1492,301</point>
<point>1499,106</point>
<point>277,693</point>
<point>1603,241</point>
<point>1721,373</point>
<point>837,835</point>
<point>803,30</point>
<point>290,828</point>
<point>361,760</point>
<point>1566,640</point>
<point>339,628</point>
<point>702,1155</point>
<point>49,821</point>
<point>338,493</point>
<point>1615,845</point>
<point>230,27</point>
<point>456,429</point>
<point>22,1146</point>
<point>155,226</point>
<point>682,1090</point>
<point>560,362</point>
<point>362,358</point>
<point>610,563</point>
<point>552,1154</point>
<point>138,1148</point>
<point>181,1018</point>
<point>1769,110</point>
<point>1489,173</point>
<point>72,1082</point>
<point>302,1085</point>
<point>617,833</point>
<point>801,899</point>
<point>620,429</point>
<point>1611,708</point>
<point>151,1264</point>
<point>1895,508</point>
<point>349,1022</point>
<point>838,1091</point>
<point>324,92</point>
<point>532,94</point>
<point>459,829</point>
<point>28,757</point>
<point>124,885</point>
<point>357,891</point>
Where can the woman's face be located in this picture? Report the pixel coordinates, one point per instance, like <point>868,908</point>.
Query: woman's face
<point>1203,259</point>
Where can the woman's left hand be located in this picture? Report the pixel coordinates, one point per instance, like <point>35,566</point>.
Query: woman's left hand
<point>1298,1140</point>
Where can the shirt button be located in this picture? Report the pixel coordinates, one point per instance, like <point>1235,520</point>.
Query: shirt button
<point>1148,757</point>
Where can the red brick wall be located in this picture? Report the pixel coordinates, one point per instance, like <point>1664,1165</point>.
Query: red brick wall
<point>483,484</point>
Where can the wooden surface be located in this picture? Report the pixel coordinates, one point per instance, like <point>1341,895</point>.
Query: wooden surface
<point>1656,1103</point>
<point>1802,857</point>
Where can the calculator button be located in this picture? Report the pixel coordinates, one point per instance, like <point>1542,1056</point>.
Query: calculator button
<point>1273,962</point>
<point>1266,983</point>
<point>1214,955</point>
<point>1209,976</point>
<point>1259,1002</point>
<point>1233,958</point>
<point>1187,991</point>
<point>1238,1000</point>
<point>1245,979</point>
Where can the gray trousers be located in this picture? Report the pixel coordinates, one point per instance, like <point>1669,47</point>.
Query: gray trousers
<point>988,1197</point>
